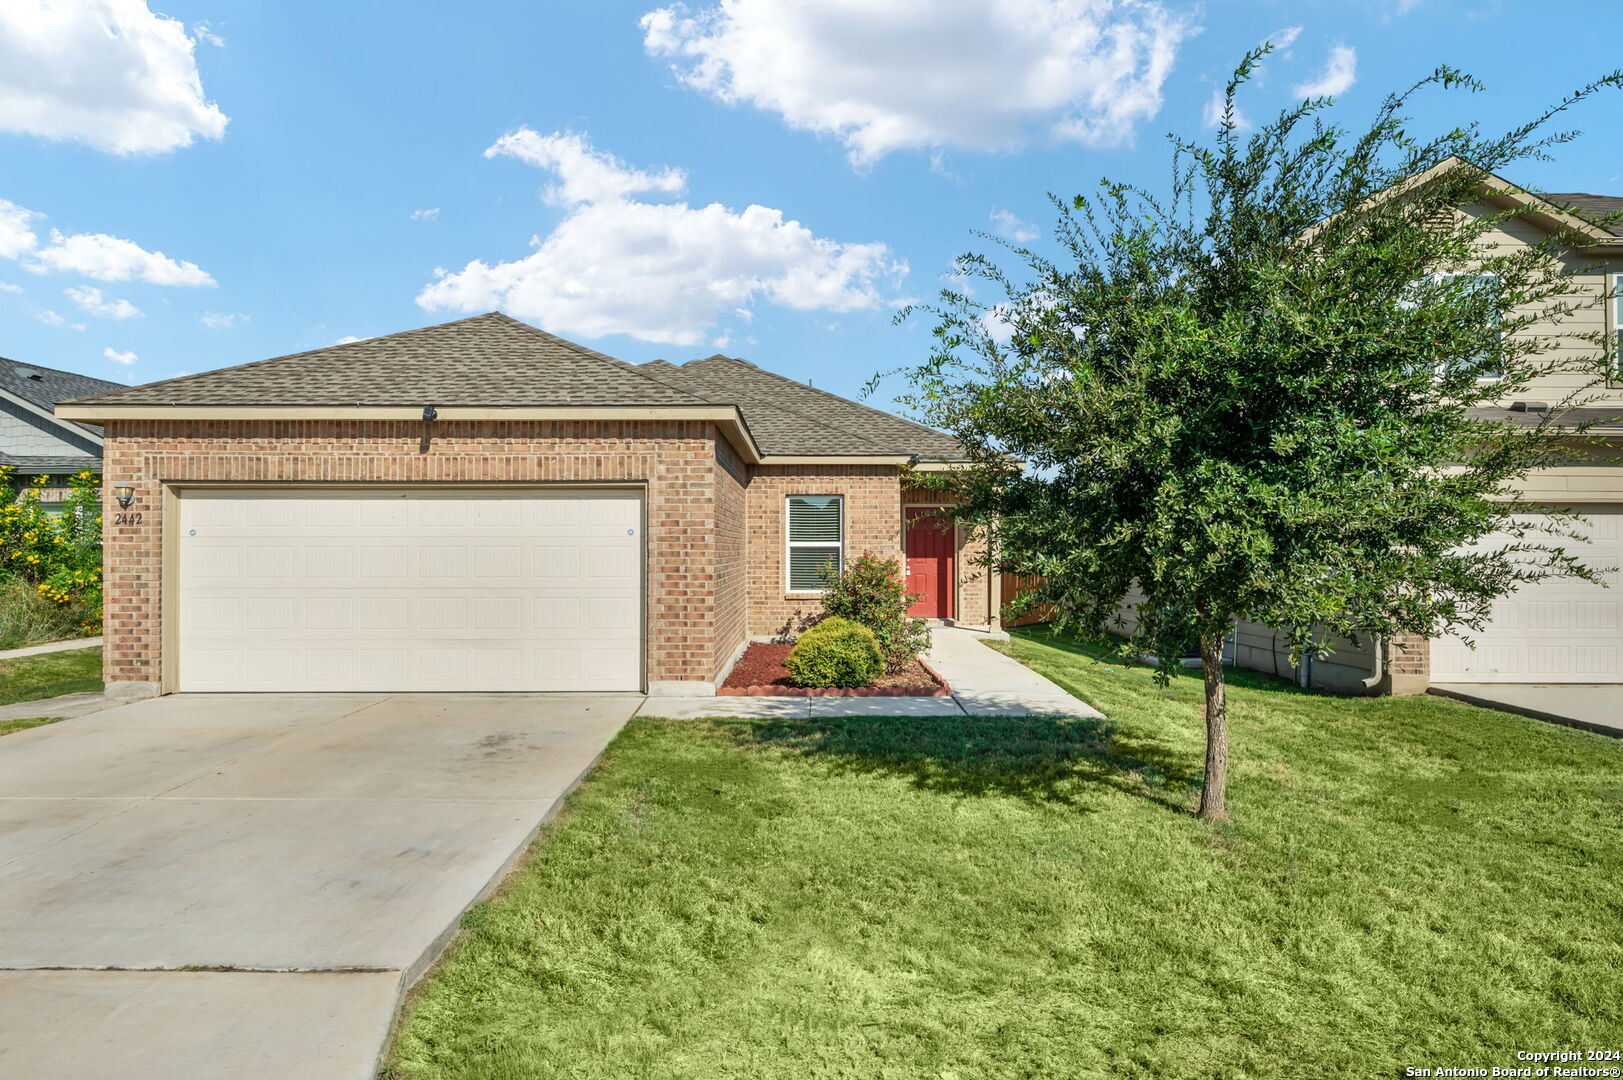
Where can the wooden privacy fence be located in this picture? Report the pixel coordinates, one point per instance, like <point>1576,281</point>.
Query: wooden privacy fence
<point>1018,585</point>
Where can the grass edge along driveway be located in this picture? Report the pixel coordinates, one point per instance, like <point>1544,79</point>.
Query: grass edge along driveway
<point>48,675</point>
<point>1407,882</point>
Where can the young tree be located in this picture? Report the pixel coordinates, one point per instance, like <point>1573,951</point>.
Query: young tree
<point>1251,396</point>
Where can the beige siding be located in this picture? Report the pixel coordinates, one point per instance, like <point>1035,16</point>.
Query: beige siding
<point>1589,287</point>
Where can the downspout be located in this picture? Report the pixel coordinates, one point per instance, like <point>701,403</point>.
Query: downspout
<point>1377,673</point>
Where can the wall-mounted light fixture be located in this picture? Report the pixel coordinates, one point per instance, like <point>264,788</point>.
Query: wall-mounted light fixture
<point>124,492</point>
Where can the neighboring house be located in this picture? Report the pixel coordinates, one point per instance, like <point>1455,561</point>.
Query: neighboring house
<point>1558,631</point>
<point>36,442</point>
<point>484,506</point>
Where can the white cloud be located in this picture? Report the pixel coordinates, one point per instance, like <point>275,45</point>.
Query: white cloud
<point>1339,75</point>
<point>1012,228</point>
<point>92,255</point>
<point>125,358</point>
<point>1212,114</point>
<point>109,258</point>
<point>221,320</point>
<point>431,214</point>
<point>16,233</point>
<point>885,75</point>
<point>1284,38</point>
<point>51,318</point>
<point>90,299</point>
<point>348,339</point>
<point>664,272</point>
<point>206,36</point>
<point>8,287</point>
<point>584,174</point>
<point>109,73</point>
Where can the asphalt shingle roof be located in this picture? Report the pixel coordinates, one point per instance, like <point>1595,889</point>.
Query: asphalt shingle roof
<point>486,360</point>
<point>1594,208</point>
<point>70,463</point>
<point>494,360</point>
<point>789,417</point>
<point>45,386</point>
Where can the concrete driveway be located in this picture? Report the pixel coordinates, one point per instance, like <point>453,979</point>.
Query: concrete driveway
<point>1591,706</point>
<point>315,852</point>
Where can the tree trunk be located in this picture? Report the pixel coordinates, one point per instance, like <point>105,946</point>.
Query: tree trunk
<point>1214,788</point>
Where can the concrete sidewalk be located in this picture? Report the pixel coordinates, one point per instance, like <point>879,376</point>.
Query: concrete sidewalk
<point>51,647</point>
<point>984,682</point>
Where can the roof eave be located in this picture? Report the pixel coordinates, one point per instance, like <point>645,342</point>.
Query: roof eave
<point>728,418</point>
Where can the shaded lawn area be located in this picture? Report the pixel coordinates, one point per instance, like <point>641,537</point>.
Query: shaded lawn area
<point>48,675</point>
<point>1407,882</point>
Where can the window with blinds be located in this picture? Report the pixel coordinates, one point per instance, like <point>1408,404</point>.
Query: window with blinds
<point>816,539</point>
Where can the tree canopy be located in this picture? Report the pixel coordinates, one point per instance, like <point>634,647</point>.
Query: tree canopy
<point>1254,395</point>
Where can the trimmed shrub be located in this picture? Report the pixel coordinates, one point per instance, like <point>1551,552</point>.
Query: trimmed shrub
<point>836,652</point>
<point>871,592</point>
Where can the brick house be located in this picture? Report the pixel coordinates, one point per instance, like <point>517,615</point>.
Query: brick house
<point>483,506</point>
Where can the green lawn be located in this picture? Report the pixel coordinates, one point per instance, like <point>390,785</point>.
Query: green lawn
<point>9,726</point>
<point>30,678</point>
<point>1407,882</point>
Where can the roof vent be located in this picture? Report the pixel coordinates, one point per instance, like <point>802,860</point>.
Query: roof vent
<point>30,373</point>
<point>1529,406</point>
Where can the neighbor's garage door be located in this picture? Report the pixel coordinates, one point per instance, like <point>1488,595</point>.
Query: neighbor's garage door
<point>409,590</point>
<point>1554,632</point>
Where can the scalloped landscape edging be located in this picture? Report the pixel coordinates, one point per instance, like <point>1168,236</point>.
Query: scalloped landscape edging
<point>769,690</point>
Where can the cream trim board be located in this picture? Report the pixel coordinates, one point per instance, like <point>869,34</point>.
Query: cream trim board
<point>101,413</point>
<point>728,418</point>
<point>1550,216</point>
<point>834,459</point>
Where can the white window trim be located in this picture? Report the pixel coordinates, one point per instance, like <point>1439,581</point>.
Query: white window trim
<point>1479,275</point>
<point>1616,373</point>
<point>789,545</point>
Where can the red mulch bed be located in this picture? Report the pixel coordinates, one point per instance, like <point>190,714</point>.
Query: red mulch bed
<point>760,672</point>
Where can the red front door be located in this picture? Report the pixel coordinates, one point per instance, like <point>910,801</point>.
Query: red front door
<point>929,563</point>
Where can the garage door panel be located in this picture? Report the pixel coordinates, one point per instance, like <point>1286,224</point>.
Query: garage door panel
<point>1561,630</point>
<point>512,598</point>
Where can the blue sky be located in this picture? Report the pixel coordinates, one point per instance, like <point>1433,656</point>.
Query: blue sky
<point>228,181</point>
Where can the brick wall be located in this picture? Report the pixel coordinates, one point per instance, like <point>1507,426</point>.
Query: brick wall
<point>873,519</point>
<point>732,561</point>
<point>1408,664</point>
<point>676,460</point>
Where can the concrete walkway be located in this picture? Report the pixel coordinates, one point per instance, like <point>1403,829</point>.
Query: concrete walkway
<point>50,647</point>
<point>315,850</point>
<point>1591,706</point>
<point>63,707</point>
<point>984,682</point>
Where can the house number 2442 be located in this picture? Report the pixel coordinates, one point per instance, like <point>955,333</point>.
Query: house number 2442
<point>127,518</point>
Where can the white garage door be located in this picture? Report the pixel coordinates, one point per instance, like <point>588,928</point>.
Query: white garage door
<point>409,590</point>
<point>1554,632</point>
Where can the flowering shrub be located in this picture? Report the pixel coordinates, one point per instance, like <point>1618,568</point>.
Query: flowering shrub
<point>871,592</point>
<point>59,555</point>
